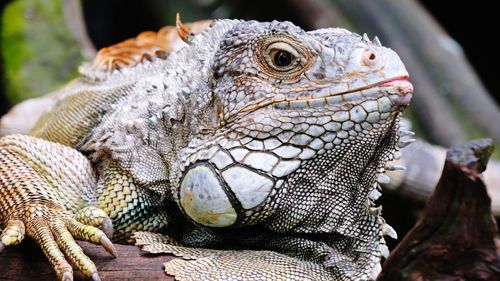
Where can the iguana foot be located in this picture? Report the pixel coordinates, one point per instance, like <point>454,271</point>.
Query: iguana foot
<point>55,232</point>
<point>29,205</point>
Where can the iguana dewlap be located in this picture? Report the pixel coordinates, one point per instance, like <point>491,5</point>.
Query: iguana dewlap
<point>231,135</point>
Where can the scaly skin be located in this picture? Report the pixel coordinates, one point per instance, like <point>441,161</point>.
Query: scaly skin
<point>253,136</point>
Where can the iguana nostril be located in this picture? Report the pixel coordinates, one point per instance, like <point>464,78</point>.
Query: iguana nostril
<point>369,57</point>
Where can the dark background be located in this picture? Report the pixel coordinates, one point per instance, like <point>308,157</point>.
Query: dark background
<point>112,21</point>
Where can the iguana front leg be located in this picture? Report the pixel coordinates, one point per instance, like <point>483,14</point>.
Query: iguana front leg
<point>42,185</point>
<point>129,205</point>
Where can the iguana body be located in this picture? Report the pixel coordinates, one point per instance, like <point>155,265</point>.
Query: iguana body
<point>251,136</point>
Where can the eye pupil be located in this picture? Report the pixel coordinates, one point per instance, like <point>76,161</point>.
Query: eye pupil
<point>282,58</point>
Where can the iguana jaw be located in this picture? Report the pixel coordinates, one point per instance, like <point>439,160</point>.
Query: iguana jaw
<point>399,86</point>
<point>252,170</point>
<point>398,89</point>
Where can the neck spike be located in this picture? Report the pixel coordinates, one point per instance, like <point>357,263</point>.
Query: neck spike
<point>182,30</point>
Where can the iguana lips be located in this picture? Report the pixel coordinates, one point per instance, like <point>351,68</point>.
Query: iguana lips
<point>402,84</point>
<point>404,89</point>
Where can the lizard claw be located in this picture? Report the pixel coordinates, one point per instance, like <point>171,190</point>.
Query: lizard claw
<point>91,234</point>
<point>94,216</point>
<point>108,246</point>
<point>96,277</point>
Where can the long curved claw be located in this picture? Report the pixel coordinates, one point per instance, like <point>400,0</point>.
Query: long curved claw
<point>13,233</point>
<point>56,236</point>
<point>108,246</point>
<point>91,234</point>
<point>94,216</point>
<point>55,232</point>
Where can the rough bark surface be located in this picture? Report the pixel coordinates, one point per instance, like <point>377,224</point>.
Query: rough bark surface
<point>131,264</point>
<point>455,237</point>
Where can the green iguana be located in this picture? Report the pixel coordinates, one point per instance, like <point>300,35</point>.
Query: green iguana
<point>255,148</point>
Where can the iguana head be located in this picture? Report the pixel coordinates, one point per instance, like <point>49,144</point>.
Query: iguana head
<point>304,124</point>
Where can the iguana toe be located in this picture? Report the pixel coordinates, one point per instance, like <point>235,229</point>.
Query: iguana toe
<point>91,234</point>
<point>13,233</point>
<point>93,216</point>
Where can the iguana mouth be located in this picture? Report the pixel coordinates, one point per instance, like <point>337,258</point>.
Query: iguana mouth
<point>401,81</point>
<point>399,86</point>
<point>403,87</point>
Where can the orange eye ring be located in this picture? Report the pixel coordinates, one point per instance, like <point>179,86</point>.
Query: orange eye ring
<point>282,56</point>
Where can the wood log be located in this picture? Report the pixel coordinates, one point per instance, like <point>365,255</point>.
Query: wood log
<point>424,166</point>
<point>26,262</point>
<point>455,236</point>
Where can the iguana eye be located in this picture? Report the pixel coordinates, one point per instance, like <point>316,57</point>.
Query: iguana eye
<point>282,56</point>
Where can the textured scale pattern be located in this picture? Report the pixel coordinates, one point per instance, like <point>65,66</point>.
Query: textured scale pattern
<point>30,204</point>
<point>205,264</point>
<point>129,207</point>
<point>256,149</point>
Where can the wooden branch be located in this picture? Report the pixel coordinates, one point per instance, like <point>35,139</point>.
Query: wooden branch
<point>455,237</point>
<point>26,262</point>
<point>73,16</point>
<point>424,166</point>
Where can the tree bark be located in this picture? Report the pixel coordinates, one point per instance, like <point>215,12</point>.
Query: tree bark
<point>424,166</point>
<point>455,237</point>
<point>26,262</point>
